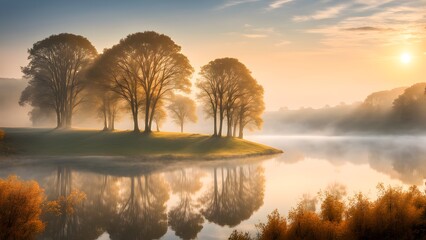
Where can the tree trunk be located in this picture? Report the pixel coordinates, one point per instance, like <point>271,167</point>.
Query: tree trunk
<point>181,126</point>
<point>147,117</point>
<point>234,133</point>
<point>229,123</point>
<point>105,120</point>
<point>58,119</point>
<point>112,125</point>
<point>220,122</point>
<point>241,132</point>
<point>135,119</point>
<point>215,122</point>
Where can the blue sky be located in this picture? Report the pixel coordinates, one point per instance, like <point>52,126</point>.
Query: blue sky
<point>326,45</point>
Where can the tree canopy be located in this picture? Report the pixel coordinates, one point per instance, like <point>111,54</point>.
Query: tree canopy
<point>57,72</point>
<point>229,92</point>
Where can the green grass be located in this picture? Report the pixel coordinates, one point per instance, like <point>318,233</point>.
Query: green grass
<point>44,142</point>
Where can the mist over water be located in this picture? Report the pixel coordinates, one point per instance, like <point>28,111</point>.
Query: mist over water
<point>217,196</point>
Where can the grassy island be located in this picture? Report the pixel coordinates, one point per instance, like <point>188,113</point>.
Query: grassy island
<point>47,142</point>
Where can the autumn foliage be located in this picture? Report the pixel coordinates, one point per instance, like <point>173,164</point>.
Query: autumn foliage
<point>395,214</point>
<point>20,209</point>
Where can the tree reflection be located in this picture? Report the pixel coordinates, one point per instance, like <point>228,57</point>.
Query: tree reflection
<point>236,193</point>
<point>183,218</point>
<point>141,212</point>
<point>68,222</point>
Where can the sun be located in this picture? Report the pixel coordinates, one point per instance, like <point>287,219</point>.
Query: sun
<point>405,58</point>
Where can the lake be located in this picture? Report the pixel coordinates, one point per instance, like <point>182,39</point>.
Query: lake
<point>129,199</point>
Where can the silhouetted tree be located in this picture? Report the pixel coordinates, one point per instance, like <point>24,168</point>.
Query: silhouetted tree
<point>144,68</point>
<point>160,116</point>
<point>182,109</point>
<point>102,95</point>
<point>56,72</point>
<point>224,87</point>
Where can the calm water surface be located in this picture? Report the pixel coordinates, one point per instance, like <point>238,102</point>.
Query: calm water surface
<point>127,199</point>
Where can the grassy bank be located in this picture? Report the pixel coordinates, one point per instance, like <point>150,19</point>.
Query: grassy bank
<point>44,142</point>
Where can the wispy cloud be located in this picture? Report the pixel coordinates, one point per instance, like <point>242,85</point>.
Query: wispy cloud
<point>277,4</point>
<point>331,12</point>
<point>253,35</point>
<point>367,29</point>
<point>393,25</point>
<point>232,3</point>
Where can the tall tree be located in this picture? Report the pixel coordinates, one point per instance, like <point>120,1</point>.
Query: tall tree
<point>145,68</point>
<point>113,72</point>
<point>182,109</point>
<point>228,91</point>
<point>160,68</point>
<point>102,93</point>
<point>248,112</point>
<point>56,71</point>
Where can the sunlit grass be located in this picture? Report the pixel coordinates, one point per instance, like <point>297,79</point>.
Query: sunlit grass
<point>125,143</point>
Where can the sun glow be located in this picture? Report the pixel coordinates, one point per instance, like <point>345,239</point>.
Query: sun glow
<point>405,58</point>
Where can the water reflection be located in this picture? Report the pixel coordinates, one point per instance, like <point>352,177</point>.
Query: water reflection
<point>129,199</point>
<point>400,157</point>
<point>140,206</point>
<point>235,194</point>
<point>185,218</point>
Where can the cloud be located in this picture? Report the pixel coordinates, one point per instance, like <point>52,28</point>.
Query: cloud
<point>255,35</point>
<point>393,26</point>
<point>233,3</point>
<point>367,29</point>
<point>277,4</point>
<point>331,12</point>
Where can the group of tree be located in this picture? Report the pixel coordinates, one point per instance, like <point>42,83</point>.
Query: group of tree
<point>229,93</point>
<point>395,214</point>
<point>144,74</point>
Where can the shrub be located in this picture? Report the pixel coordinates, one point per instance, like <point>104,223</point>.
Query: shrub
<point>20,209</point>
<point>274,229</point>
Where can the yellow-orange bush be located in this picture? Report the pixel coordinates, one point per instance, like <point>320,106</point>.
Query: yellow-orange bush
<point>396,214</point>
<point>20,209</point>
<point>2,134</point>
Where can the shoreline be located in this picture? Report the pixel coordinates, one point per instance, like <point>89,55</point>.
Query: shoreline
<point>36,143</point>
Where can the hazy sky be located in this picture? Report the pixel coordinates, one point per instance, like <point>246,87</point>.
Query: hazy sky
<point>304,52</point>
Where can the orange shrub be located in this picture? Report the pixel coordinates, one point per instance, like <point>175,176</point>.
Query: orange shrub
<point>274,229</point>
<point>20,209</point>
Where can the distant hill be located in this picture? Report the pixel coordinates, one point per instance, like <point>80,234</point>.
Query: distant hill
<point>396,111</point>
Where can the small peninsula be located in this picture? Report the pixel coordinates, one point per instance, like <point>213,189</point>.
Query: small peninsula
<point>160,145</point>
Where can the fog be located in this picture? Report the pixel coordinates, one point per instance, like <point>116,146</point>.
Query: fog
<point>396,111</point>
<point>400,157</point>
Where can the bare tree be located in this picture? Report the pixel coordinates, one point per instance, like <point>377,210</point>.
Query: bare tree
<point>182,109</point>
<point>56,71</point>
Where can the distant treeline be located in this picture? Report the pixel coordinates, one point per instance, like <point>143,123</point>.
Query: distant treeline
<point>396,111</point>
<point>142,76</point>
